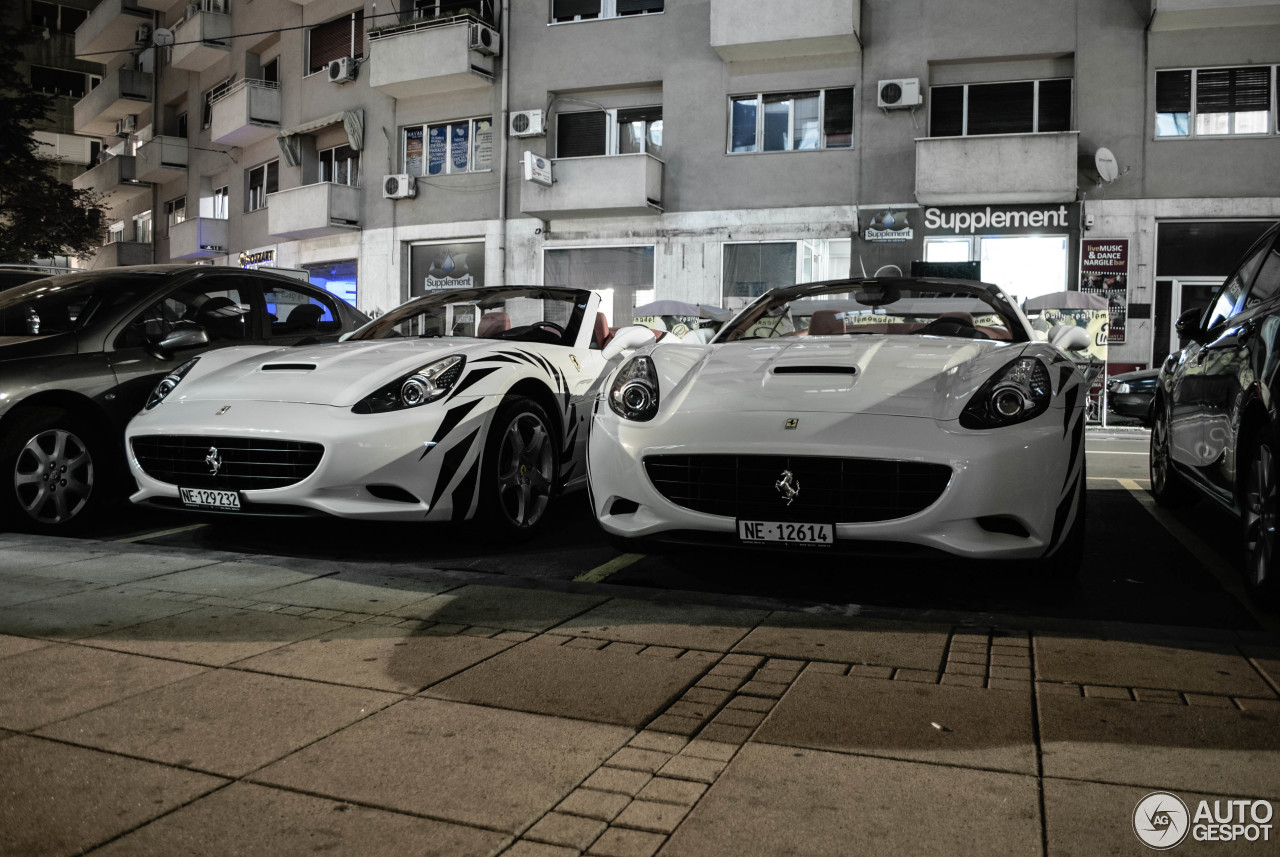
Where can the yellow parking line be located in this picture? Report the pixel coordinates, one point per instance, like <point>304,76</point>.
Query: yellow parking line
<point>156,535</point>
<point>1228,576</point>
<point>618,563</point>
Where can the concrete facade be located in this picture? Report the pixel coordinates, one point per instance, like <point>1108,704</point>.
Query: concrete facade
<point>696,196</point>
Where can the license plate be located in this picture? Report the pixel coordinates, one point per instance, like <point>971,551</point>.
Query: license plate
<point>780,532</point>
<point>203,498</point>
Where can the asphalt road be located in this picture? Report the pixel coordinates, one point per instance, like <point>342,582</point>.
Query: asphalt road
<point>1142,564</point>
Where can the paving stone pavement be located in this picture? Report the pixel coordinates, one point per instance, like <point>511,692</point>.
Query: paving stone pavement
<point>165,701</point>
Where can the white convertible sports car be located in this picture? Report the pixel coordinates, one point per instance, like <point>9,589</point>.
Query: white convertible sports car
<point>870,415</point>
<point>457,403</point>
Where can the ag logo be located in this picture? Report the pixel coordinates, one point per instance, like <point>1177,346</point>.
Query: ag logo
<point>1161,821</point>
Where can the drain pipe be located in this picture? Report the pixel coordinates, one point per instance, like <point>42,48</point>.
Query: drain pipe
<point>502,151</point>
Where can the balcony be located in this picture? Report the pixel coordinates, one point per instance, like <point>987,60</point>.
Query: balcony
<point>201,40</point>
<point>607,186</point>
<point>997,168</point>
<point>119,253</point>
<point>161,159</point>
<point>123,92</point>
<point>247,112</point>
<point>396,66</point>
<point>198,238</point>
<point>313,210</point>
<point>1205,14</point>
<point>116,177</point>
<point>745,30</point>
<point>110,27</point>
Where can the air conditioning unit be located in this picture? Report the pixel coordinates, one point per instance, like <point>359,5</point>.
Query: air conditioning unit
<point>482,39</point>
<point>342,70</point>
<point>127,125</point>
<point>527,123</point>
<point>400,186</point>
<point>892,94</point>
<point>192,10</point>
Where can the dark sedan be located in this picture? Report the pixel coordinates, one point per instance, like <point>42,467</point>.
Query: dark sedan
<point>79,354</point>
<point>1131,394</point>
<point>1214,431</point>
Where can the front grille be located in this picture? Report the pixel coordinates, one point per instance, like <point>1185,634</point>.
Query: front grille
<point>247,463</point>
<point>834,490</point>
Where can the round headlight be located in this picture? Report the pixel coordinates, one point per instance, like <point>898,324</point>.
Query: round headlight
<point>1007,403</point>
<point>1020,391</point>
<point>634,394</point>
<point>415,391</point>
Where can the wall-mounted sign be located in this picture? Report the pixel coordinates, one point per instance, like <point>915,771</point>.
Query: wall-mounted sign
<point>537,169</point>
<point>256,258</point>
<point>979,220</point>
<point>445,266</point>
<point>1104,270</point>
<point>889,225</point>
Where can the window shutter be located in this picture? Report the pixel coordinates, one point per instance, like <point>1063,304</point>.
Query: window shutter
<point>837,121</point>
<point>639,114</point>
<point>1000,108</point>
<point>1233,90</point>
<point>1055,105</point>
<point>635,7</point>
<point>332,41</point>
<point>580,134</point>
<point>1173,91</point>
<point>946,111</point>
<point>562,10</point>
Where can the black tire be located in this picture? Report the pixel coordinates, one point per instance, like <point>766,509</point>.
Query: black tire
<point>521,469</point>
<point>1167,487</point>
<point>55,473</point>
<point>1259,511</point>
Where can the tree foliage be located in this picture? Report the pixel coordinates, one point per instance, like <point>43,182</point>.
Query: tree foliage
<point>40,216</point>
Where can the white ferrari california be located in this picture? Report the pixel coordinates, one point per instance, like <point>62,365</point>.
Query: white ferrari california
<point>459,403</point>
<point>883,415</point>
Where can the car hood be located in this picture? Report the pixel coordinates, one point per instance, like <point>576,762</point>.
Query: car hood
<point>339,374</point>
<point>891,375</point>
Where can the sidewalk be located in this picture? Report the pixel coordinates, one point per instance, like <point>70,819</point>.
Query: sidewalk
<point>164,702</point>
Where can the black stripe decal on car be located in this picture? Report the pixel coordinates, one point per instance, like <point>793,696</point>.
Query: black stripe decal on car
<point>465,493</point>
<point>1060,518</point>
<point>452,461</point>
<point>1070,394</point>
<point>1065,375</point>
<point>1077,444</point>
<point>495,358</point>
<point>472,378</point>
<point>449,423</point>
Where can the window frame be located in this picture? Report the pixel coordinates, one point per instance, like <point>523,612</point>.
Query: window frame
<point>759,133</point>
<point>221,203</point>
<point>608,11</point>
<point>473,143</point>
<point>250,196</point>
<point>353,165</point>
<point>1035,105</point>
<point>175,211</point>
<point>815,260</point>
<point>355,41</point>
<point>1273,108</point>
<point>613,131</point>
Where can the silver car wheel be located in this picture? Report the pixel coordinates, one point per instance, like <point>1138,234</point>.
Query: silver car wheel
<point>1260,512</point>
<point>526,465</point>
<point>53,476</point>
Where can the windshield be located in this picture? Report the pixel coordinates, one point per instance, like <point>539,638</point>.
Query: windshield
<point>518,314</point>
<point>871,307</point>
<point>66,303</point>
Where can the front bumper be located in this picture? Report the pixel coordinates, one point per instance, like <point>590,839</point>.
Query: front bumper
<point>1004,483</point>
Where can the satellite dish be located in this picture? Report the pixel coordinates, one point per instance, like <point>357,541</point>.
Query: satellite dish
<point>162,37</point>
<point>1106,164</point>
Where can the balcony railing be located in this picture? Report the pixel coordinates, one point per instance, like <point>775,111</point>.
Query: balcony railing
<point>246,112</point>
<point>997,168</point>
<point>744,30</point>
<point>314,210</point>
<point>119,253</point>
<point>116,176</point>
<point>605,186</point>
<point>122,93</point>
<point>1209,14</point>
<point>201,40</point>
<point>161,159</point>
<point>198,238</point>
<point>395,57</point>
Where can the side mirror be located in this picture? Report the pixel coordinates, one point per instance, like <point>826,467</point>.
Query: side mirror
<point>628,339</point>
<point>1068,337</point>
<point>1188,325</point>
<point>185,334</point>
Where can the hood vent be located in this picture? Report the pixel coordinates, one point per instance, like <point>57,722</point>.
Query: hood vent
<point>815,370</point>
<point>288,367</point>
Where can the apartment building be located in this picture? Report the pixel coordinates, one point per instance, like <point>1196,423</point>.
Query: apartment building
<point>697,150</point>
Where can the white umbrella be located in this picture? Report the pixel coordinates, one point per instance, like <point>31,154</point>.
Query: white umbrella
<point>714,313</point>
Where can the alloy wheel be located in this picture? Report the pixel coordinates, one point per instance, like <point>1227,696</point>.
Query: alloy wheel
<point>53,476</point>
<point>1159,455</point>
<point>526,464</point>
<point>1260,512</point>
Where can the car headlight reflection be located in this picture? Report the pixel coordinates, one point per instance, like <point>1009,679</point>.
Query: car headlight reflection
<point>634,394</point>
<point>168,383</point>
<point>423,386</point>
<point>1018,392</point>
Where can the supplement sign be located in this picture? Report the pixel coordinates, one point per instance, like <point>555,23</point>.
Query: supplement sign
<point>1104,270</point>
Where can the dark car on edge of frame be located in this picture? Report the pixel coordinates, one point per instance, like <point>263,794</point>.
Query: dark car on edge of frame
<point>1214,425</point>
<point>80,353</point>
<point>1131,394</point>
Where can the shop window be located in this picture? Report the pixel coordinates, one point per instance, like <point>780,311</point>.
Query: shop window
<point>175,211</point>
<point>338,278</point>
<point>340,165</point>
<point>259,182</point>
<point>343,37</point>
<point>1216,102</point>
<point>450,265</point>
<point>751,269</point>
<point>791,121</point>
<point>564,11</point>
<point>624,274</point>
<point>1016,107</point>
<point>609,132</point>
<point>465,146</point>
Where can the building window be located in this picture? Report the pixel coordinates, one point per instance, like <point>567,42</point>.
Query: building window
<point>175,211</point>
<point>211,95</point>
<point>221,203</point>
<point>1017,107</point>
<point>623,276</point>
<point>115,232</point>
<point>59,19</point>
<point>609,132</point>
<point>270,71</point>
<point>791,121</point>
<point>142,227</point>
<point>181,125</point>
<point>751,269</point>
<point>340,165</point>
<point>465,146</point>
<point>425,10</point>
<point>1213,102</point>
<point>337,278</point>
<point>61,81</point>
<point>261,181</point>
<point>564,11</point>
<point>343,37</point>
